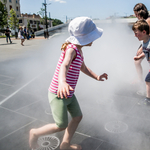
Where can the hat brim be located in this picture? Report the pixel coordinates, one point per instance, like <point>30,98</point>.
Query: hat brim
<point>86,39</point>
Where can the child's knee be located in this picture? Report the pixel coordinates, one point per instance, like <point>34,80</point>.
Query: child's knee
<point>60,128</point>
<point>62,125</point>
<point>77,119</point>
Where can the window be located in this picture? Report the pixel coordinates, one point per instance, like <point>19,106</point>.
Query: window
<point>10,1</point>
<point>34,22</point>
<point>20,21</point>
<point>31,21</point>
<point>10,7</point>
<point>17,8</point>
<point>16,1</point>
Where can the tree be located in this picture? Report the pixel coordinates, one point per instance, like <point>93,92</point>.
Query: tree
<point>13,21</point>
<point>3,15</point>
<point>57,22</point>
<point>38,26</point>
<point>42,14</point>
<point>28,25</point>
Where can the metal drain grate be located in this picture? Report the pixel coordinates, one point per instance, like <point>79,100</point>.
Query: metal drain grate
<point>116,127</point>
<point>48,143</point>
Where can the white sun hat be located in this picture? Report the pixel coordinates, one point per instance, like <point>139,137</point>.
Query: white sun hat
<point>83,31</point>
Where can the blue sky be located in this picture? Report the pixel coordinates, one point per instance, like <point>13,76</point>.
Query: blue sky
<point>73,8</point>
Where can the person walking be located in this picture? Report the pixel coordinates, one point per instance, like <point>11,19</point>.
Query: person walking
<point>7,33</point>
<point>21,35</point>
<point>28,34</point>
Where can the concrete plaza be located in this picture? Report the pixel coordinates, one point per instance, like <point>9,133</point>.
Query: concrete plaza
<point>114,117</point>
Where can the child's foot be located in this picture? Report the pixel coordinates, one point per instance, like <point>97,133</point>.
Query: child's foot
<point>66,146</point>
<point>145,101</point>
<point>33,139</point>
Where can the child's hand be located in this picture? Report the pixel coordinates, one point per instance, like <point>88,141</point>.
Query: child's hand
<point>63,90</point>
<point>136,58</point>
<point>100,78</point>
<point>139,52</point>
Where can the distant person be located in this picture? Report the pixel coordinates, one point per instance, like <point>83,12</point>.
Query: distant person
<point>32,34</point>
<point>7,33</point>
<point>140,12</point>
<point>47,34</point>
<point>44,34</point>
<point>141,30</point>
<point>21,35</point>
<point>25,32</point>
<point>61,91</point>
<point>28,34</point>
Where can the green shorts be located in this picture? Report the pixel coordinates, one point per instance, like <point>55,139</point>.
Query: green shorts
<point>59,108</point>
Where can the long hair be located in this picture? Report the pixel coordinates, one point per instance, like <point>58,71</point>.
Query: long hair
<point>139,7</point>
<point>64,45</point>
<point>143,14</point>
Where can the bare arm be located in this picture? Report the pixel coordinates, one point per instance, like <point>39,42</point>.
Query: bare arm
<point>140,51</point>
<point>63,86</point>
<point>90,73</point>
<point>148,21</point>
<point>139,56</point>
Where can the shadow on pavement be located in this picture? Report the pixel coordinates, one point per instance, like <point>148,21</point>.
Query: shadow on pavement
<point>8,44</point>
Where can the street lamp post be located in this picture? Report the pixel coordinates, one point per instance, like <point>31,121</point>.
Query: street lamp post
<point>45,5</point>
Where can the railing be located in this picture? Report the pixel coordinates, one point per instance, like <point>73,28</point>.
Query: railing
<point>37,33</point>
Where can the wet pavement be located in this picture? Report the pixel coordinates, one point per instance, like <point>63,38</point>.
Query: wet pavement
<point>114,117</point>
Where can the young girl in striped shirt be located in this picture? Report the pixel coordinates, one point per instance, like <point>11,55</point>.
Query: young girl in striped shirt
<point>61,91</point>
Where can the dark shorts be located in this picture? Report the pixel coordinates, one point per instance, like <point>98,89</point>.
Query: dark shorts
<point>147,79</point>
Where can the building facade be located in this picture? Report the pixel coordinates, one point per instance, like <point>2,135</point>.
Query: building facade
<point>34,21</point>
<point>12,4</point>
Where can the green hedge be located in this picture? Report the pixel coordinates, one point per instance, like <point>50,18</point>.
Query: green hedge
<point>4,36</point>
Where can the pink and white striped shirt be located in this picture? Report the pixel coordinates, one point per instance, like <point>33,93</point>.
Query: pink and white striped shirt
<point>73,72</point>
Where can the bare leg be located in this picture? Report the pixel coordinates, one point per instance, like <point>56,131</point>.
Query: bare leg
<point>148,89</point>
<point>139,69</point>
<point>21,42</point>
<point>69,132</point>
<point>35,133</point>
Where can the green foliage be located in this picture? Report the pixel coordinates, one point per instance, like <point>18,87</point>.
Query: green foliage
<point>41,12</point>
<point>4,1</point>
<point>28,25</point>
<point>3,15</point>
<point>38,26</point>
<point>13,21</point>
<point>56,22</point>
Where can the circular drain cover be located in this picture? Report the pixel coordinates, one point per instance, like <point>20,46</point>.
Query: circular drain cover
<point>116,127</point>
<point>48,143</point>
